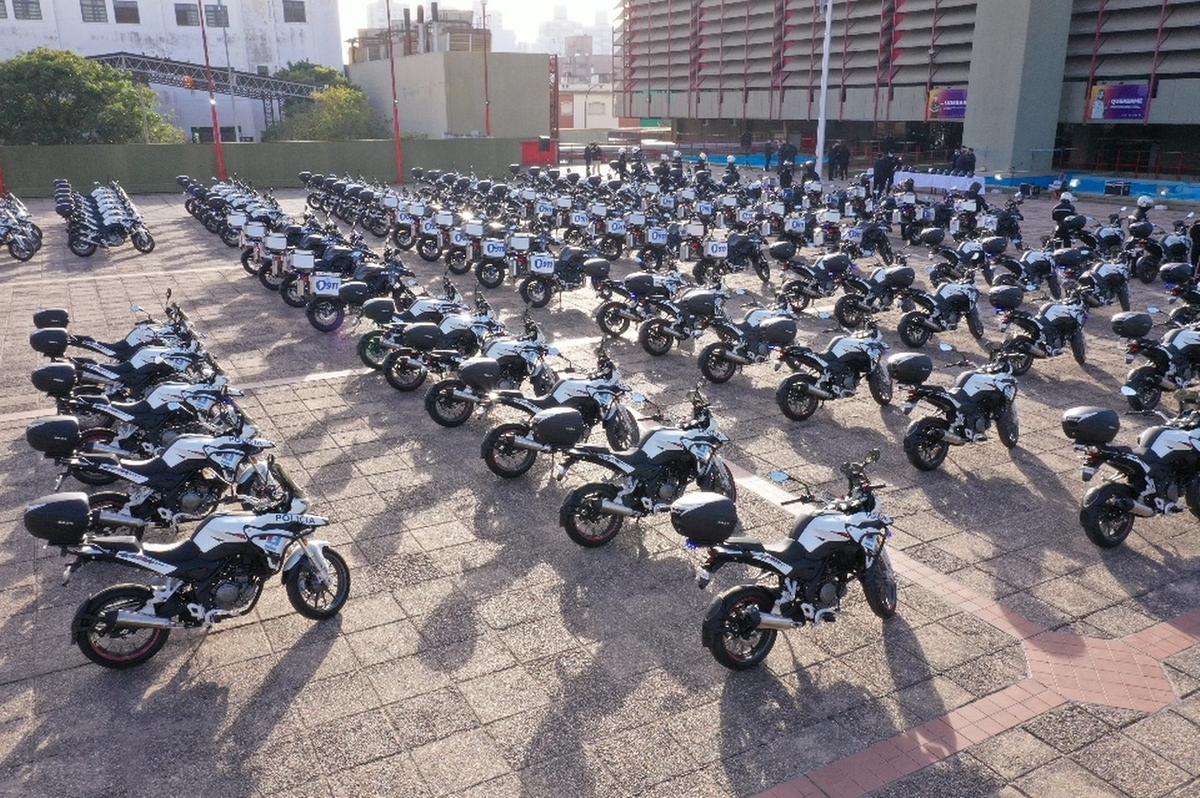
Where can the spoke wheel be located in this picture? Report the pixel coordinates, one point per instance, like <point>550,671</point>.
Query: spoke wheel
<point>313,598</point>
<point>109,645</point>
<point>500,455</point>
<point>730,627</point>
<point>583,519</point>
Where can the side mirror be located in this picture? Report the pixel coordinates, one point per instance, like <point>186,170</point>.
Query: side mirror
<point>136,308</point>
<point>779,477</point>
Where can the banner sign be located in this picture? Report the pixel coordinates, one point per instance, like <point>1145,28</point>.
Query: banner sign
<point>1118,102</point>
<point>946,104</point>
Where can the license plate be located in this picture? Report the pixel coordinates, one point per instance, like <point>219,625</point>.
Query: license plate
<point>794,225</point>
<point>429,227</point>
<point>716,249</point>
<point>656,235</point>
<point>493,249</point>
<point>854,234</point>
<point>1087,472</point>
<point>541,264</point>
<point>459,239</point>
<point>580,219</point>
<point>616,226</point>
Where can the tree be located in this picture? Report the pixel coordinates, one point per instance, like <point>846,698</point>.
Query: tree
<point>335,114</point>
<point>308,72</point>
<point>56,97</point>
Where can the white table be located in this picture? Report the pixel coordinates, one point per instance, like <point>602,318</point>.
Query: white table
<point>928,182</point>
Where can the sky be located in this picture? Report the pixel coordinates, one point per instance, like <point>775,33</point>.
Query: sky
<point>521,16</point>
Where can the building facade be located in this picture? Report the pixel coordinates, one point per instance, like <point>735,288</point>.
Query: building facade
<point>259,36</point>
<point>1031,85</point>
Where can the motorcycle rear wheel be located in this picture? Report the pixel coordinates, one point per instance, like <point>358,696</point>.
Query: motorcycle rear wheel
<point>1106,525</point>
<point>584,521</point>
<point>609,319</point>
<point>715,367</point>
<point>1145,382</point>
<point>401,376</point>
<point>724,630</point>
<point>847,312</point>
<point>922,445</point>
<point>654,338</point>
<point>446,409</point>
<point>796,402</point>
<point>500,455</point>
<point>912,332</point>
<point>110,646</point>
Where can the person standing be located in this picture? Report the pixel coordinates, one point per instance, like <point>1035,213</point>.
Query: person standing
<point>587,159</point>
<point>788,151</point>
<point>768,150</point>
<point>839,159</point>
<point>622,164</point>
<point>747,141</point>
<point>880,174</point>
<point>969,162</point>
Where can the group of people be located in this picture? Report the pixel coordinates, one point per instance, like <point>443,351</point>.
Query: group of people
<point>963,161</point>
<point>593,158</point>
<point>884,172</point>
<point>785,149</point>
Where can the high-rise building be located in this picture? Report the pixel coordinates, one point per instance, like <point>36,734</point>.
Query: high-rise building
<point>1031,85</point>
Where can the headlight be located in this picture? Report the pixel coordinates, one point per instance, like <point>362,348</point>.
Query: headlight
<point>870,544</point>
<point>603,398</point>
<point>703,453</point>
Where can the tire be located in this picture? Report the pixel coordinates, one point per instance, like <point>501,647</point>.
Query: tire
<point>247,261</point>
<point>925,453</point>
<point>292,291</point>
<point>796,402</point>
<point>704,271</point>
<point>1024,347</point>
<point>370,352</point>
<point>107,500</point>
<point>230,236</point>
<point>1122,293</point>
<point>1105,525</point>
<point>725,623</point>
<point>1079,348</point>
<point>376,226</point>
<point>21,250</point>
<point>609,319</point>
<point>544,381</point>
<point>763,270</point>
<point>719,480</point>
<point>1192,493</point>
<point>654,338</point>
<point>444,408</point>
<point>429,249</point>
<point>268,278</point>
<point>1054,284</point>
<point>401,376</point>
<point>581,505</point>
<point>879,586</point>
<point>404,238</point>
<point>489,274</point>
<point>457,262</point>
<point>650,259</point>
<point>975,323</point>
<point>847,313</point>
<point>1008,427</point>
<point>879,382</point>
<point>622,431</point>
<point>611,248</point>
<point>715,367</point>
<point>1145,381</point>
<point>1146,269</point>
<point>325,314</point>
<point>796,299</point>
<point>301,581</point>
<point>212,224</point>
<point>501,457</point>
<point>84,249</point>
<point>536,292</point>
<point>912,332</point>
<point>89,628</point>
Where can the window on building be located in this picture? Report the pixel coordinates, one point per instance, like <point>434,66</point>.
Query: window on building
<point>93,10</point>
<point>125,12</point>
<point>186,15</point>
<point>3,10</point>
<point>293,11</point>
<point>27,9</point>
<point>216,16</point>
<point>263,70</point>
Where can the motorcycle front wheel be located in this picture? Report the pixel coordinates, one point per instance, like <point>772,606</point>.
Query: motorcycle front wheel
<point>880,384</point>
<point>370,350</point>
<point>719,480</point>
<point>879,586</point>
<point>1008,427</point>
<point>312,599</point>
<point>730,632</point>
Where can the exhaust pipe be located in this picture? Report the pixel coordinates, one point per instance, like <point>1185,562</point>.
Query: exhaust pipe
<point>613,508</point>
<point>465,396</point>
<point>929,324</point>
<point>142,621</point>
<point>953,440</point>
<point>525,442</point>
<point>736,358</point>
<point>119,519</point>
<point>1135,507</point>
<point>769,620</point>
<point>820,393</point>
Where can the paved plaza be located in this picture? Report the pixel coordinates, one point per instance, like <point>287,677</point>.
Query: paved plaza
<point>482,653</point>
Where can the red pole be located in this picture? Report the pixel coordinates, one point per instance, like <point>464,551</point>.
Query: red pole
<point>487,89</point>
<point>395,101</point>
<point>2,189</point>
<point>212,95</point>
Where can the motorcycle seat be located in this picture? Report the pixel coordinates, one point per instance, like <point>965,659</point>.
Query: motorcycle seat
<point>179,553</point>
<point>118,543</point>
<point>785,550</point>
<point>150,468</point>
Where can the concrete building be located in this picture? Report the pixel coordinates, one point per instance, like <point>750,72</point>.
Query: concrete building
<point>251,35</point>
<point>441,94</point>
<point>439,31</point>
<point>1031,85</point>
<point>590,106</point>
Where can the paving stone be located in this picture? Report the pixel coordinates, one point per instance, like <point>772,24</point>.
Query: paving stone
<point>1064,778</point>
<point>1171,736</point>
<point>459,761</point>
<point>1110,759</point>
<point>1068,728</point>
<point>1013,753</point>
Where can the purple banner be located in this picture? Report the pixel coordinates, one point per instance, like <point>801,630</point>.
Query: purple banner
<point>1118,102</point>
<point>946,104</point>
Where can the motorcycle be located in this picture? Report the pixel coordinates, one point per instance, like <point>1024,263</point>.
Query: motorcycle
<point>980,397</point>
<point>684,318</point>
<point>941,311</point>
<point>1173,361</point>
<point>644,480</point>
<point>510,449</point>
<point>1150,480</point>
<point>548,276</point>
<point>806,575</point>
<point>637,291</point>
<point>761,331</point>
<point>865,297</point>
<point>1056,325</point>
<point>834,373</point>
<point>217,573</point>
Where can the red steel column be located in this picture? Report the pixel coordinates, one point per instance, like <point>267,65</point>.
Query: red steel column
<point>395,99</point>
<point>212,95</point>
